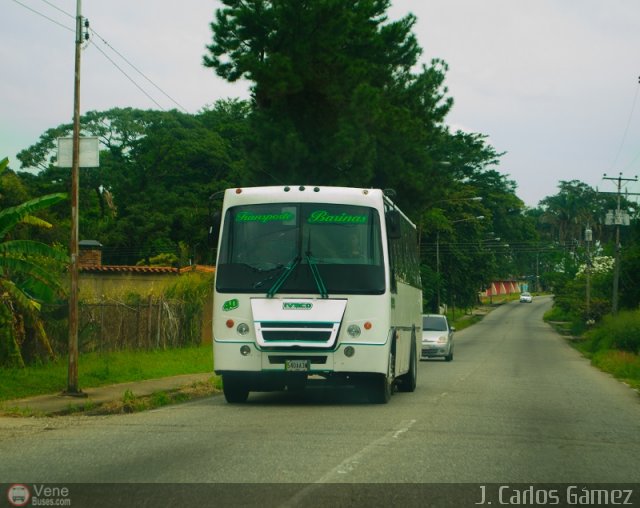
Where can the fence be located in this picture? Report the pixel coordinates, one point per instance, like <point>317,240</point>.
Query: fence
<point>154,323</point>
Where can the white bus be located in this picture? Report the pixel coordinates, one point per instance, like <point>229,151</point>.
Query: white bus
<point>316,283</point>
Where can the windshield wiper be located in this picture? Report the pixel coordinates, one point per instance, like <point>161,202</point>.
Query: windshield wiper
<point>313,266</point>
<point>322,289</point>
<point>283,277</point>
<point>270,277</point>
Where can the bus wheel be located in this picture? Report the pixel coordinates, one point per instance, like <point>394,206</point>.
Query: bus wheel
<point>379,389</point>
<point>235,392</point>
<point>408,381</point>
<point>381,385</point>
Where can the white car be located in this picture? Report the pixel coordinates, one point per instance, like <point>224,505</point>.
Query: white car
<point>526,297</point>
<point>437,337</point>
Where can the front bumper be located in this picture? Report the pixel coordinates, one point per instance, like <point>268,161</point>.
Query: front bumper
<point>367,358</point>
<point>429,351</point>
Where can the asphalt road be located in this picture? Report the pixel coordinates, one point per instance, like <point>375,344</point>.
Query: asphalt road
<point>516,404</point>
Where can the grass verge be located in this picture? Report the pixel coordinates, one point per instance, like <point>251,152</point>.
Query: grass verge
<point>466,321</point>
<point>131,403</point>
<point>622,365</point>
<point>611,346</point>
<point>100,369</point>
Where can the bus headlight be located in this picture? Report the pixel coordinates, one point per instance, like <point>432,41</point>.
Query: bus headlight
<point>242,328</point>
<point>349,351</point>
<point>245,350</point>
<point>354,331</point>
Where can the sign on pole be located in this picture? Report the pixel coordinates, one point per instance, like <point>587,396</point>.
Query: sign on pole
<point>89,152</point>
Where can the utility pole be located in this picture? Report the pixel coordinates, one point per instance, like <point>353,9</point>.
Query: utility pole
<point>438,270</point>
<point>617,218</point>
<point>588,236</point>
<point>537,267</point>
<point>72,384</point>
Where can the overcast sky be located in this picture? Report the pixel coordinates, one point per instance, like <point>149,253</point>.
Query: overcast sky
<point>551,82</point>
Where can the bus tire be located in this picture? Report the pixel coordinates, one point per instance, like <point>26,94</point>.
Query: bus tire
<point>235,391</point>
<point>379,389</point>
<point>408,381</point>
<point>381,385</point>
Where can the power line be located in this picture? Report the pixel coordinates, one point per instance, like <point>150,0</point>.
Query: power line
<point>59,9</point>
<point>626,130</point>
<point>45,16</point>
<point>128,77</point>
<point>138,70</point>
<point>106,43</point>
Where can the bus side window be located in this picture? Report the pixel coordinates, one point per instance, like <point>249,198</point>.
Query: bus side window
<point>393,225</point>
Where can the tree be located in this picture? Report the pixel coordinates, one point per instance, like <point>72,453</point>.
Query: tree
<point>157,171</point>
<point>335,99</point>
<point>27,278</point>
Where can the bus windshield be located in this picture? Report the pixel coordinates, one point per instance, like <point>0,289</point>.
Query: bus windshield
<point>285,244</point>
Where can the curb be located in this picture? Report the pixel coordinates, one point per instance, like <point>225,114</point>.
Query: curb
<point>120,395</point>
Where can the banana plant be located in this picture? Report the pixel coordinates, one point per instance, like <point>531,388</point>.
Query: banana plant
<point>26,278</point>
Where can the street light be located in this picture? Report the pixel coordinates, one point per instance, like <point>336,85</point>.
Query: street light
<point>439,202</point>
<point>479,217</point>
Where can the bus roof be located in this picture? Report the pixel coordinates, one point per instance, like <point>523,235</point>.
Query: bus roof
<point>309,194</point>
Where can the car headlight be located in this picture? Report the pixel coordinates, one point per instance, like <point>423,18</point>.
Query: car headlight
<point>442,339</point>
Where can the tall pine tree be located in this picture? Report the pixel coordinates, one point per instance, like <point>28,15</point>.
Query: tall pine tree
<point>336,100</point>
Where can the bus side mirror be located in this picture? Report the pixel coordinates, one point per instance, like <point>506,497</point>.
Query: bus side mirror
<point>214,230</point>
<point>393,224</point>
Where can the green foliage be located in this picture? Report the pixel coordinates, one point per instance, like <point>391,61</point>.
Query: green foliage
<point>568,212</point>
<point>164,259</point>
<point>157,171</point>
<point>9,349</point>
<point>29,276</point>
<point>133,298</point>
<point>336,99</point>
<point>429,288</point>
<point>556,314</point>
<point>192,290</point>
<point>630,271</point>
<point>621,331</point>
<point>621,364</point>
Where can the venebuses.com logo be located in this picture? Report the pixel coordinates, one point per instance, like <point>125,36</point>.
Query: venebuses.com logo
<point>18,494</point>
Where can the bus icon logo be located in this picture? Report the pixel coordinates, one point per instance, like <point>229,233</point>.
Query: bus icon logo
<point>297,306</point>
<point>18,495</point>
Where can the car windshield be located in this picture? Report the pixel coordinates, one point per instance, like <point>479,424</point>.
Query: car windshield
<point>301,247</point>
<point>434,323</point>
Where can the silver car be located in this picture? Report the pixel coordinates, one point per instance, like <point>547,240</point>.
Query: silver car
<point>526,297</point>
<point>437,337</point>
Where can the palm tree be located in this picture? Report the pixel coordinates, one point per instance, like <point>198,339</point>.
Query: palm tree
<point>26,277</point>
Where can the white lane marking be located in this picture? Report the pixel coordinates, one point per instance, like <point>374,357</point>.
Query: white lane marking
<point>350,464</point>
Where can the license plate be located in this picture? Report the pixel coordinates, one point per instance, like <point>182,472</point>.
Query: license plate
<point>296,365</point>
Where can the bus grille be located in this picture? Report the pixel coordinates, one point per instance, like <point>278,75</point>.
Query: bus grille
<point>320,334</point>
<point>280,336</point>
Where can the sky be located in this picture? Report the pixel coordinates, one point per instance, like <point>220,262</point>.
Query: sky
<point>552,83</point>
